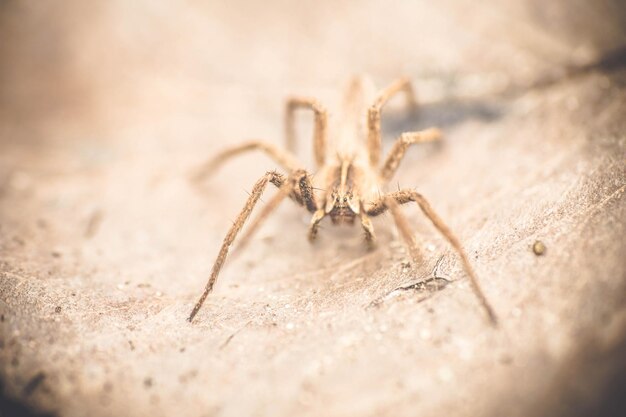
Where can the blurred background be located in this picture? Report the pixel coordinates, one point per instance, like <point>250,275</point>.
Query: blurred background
<point>107,62</point>
<point>105,108</point>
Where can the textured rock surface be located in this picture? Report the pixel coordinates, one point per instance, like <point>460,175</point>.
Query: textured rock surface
<point>105,246</point>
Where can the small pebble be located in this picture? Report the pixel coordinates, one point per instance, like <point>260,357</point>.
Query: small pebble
<point>539,248</point>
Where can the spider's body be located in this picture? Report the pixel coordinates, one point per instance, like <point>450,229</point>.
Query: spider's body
<point>349,186</point>
<point>342,200</point>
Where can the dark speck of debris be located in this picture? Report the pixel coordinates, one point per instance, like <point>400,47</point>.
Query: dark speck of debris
<point>56,254</point>
<point>2,317</point>
<point>57,309</point>
<point>181,350</point>
<point>34,382</point>
<point>147,382</point>
<point>539,248</point>
<point>131,344</point>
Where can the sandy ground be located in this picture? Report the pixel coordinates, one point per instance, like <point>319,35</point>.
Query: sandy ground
<point>105,245</point>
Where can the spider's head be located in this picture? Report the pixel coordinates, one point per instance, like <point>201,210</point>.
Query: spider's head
<point>342,205</point>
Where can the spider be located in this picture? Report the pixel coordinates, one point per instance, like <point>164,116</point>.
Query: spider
<point>349,182</point>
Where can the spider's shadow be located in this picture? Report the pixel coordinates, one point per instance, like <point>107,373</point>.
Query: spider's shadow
<point>444,114</point>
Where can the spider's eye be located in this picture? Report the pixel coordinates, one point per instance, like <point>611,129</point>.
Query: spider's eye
<point>345,199</point>
<point>337,199</point>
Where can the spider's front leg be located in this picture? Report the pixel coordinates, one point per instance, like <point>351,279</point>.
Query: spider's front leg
<point>285,187</point>
<point>298,186</point>
<point>392,200</point>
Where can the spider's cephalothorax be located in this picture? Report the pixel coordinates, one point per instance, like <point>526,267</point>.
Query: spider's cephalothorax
<point>351,184</point>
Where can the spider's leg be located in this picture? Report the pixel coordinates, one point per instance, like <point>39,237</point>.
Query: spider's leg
<point>319,131</point>
<point>368,228</point>
<point>401,145</point>
<point>403,227</point>
<point>303,190</point>
<point>299,186</point>
<point>373,115</point>
<point>315,221</point>
<point>391,201</point>
<point>283,157</point>
<point>358,96</point>
<point>255,195</point>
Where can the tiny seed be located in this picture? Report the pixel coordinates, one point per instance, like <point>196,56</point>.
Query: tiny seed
<point>539,248</point>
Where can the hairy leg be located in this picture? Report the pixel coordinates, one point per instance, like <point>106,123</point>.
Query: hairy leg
<point>319,132</point>
<point>401,145</point>
<point>403,227</point>
<point>406,196</point>
<point>373,115</point>
<point>315,221</point>
<point>255,195</point>
<point>299,186</point>
<point>358,96</point>
<point>368,228</point>
<point>283,157</point>
<point>303,190</point>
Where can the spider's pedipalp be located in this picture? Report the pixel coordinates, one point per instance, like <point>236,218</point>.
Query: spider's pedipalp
<point>368,228</point>
<point>315,221</point>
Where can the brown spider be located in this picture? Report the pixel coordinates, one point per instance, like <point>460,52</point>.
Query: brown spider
<point>351,182</point>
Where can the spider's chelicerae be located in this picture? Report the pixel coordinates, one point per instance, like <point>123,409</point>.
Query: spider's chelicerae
<point>350,181</point>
